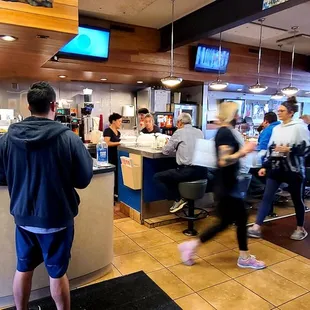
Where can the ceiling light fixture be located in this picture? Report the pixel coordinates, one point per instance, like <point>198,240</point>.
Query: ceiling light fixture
<point>278,95</point>
<point>291,90</point>
<point>258,87</point>
<point>171,80</point>
<point>62,76</point>
<point>8,38</point>
<point>218,84</point>
<point>103,79</point>
<point>139,82</point>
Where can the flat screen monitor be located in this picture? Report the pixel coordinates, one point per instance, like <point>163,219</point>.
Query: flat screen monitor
<point>90,43</point>
<point>207,59</point>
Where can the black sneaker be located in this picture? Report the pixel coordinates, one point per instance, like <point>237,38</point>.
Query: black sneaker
<point>178,205</point>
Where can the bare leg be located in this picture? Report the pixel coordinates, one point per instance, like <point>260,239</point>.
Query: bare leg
<point>60,292</point>
<point>22,289</point>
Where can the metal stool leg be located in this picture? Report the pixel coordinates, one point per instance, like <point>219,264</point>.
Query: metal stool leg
<point>190,231</point>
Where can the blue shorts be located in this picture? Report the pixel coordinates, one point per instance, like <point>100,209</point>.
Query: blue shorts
<point>53,249</point>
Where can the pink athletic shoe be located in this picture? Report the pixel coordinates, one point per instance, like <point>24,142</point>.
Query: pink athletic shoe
<point>251,262</point>
<point>188,250</point>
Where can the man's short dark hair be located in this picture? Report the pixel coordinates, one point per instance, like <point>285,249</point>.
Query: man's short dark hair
<point>114,117</point>
<point>270,117</point>
<point>40,96</point>
<point>143,111</point>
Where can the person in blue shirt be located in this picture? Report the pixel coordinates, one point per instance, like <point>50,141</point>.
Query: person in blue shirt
<point>269,123</point>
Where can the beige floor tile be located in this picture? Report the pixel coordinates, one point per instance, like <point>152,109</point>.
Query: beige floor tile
<point>301,303</point>
<point>294,271</point>
<point>233,296</point>
<point>117,233</point>
<point>278,248</point>
<point>137,261</point>
<point>114,273</point>
<point>303,259</point>
<point>168,282</point>
<point>124,245</point>
<point>174,231</point>
<point>131,227</point>
<point>122,220</point>
<point>151,238</point>
<point>227,263</point>
<point>199,276</point>
<point>229,238</point>
<point>267,254</point>
<point>272,287</point>
<point>168,254</point>
<point>211,248</point>
<point>193,302</point>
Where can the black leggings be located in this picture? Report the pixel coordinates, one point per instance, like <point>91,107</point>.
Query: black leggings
<point>230,210</point>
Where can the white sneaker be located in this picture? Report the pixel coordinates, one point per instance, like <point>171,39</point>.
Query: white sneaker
<point>178,205</point>
<point>299,235</point>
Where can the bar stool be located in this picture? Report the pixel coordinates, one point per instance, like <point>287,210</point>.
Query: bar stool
<point>192,191</point>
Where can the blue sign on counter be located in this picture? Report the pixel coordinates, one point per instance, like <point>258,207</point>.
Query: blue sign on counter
<point>267,4</point>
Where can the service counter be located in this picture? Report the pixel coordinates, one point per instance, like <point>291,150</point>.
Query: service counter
<point>92,251</point>
<point>137,190</point>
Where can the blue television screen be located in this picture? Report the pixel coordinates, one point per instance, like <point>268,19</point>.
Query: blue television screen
<point>90,43</point>
<point>207,59</point>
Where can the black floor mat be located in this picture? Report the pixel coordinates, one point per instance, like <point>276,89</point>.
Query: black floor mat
<point>135,291</point>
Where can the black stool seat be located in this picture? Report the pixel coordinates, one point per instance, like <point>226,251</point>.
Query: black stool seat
<point>192,191</point>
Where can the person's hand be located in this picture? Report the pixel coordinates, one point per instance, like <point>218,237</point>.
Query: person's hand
<point>248,147</point>
<point>282,149</point>
<point>306,119</point>
<point>262,172</point>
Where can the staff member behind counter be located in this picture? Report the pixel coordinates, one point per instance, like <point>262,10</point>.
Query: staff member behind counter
<point>183,143</point>
<point>149,126</point>
<point>113,139</point>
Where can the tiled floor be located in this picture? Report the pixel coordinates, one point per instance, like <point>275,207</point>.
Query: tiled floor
<point>215,282</point>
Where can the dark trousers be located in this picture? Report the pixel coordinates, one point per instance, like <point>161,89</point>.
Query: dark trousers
<point>230,210</point>
<point>295,183</point>
<point>168,181</point>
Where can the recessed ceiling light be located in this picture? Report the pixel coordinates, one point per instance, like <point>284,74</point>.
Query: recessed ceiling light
<point>139,82</point>
<point>62,76</point>
<point>103,79</point>
<point>8,38</point>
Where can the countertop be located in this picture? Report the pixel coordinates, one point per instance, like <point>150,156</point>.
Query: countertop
<point>109,168</point>
<point>146,152</point>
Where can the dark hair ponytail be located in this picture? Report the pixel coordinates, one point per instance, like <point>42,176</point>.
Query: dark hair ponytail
<point>291,104</point>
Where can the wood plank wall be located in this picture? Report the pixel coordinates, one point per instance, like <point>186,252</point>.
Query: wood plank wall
<point>63,17</point>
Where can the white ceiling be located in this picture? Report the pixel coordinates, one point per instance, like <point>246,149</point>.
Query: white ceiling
<point>147,13</point>
<point>276,27</point>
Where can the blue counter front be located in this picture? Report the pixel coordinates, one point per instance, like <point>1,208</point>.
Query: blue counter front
<point>148,200</point>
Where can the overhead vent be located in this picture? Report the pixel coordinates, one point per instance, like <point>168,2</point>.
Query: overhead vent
<point>122,28</point>
<point>253,50</point>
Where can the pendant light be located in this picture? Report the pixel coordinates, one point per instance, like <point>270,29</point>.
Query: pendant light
<point>171,80</point>
<point>278,95</point>
<point>291,90</point>
<point>219,84</point>
<point>258,87</point>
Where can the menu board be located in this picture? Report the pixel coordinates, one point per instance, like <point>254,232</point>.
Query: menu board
<point>267,4</point>
<point>161,99</point>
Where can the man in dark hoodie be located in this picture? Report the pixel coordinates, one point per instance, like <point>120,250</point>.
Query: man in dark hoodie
<point>42,163</point>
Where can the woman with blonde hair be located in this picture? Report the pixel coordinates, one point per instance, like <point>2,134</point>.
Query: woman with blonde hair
<point>230,205</point>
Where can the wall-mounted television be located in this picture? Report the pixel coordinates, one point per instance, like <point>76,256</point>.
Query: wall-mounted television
<point>90,43</point>
<point>207,59</point>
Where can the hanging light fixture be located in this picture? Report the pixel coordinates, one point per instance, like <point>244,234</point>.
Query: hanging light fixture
<point>258,87</point>
<point>171,80</point>
<point>278,95</point>
<point>291,90</point>
<point>219,84</point>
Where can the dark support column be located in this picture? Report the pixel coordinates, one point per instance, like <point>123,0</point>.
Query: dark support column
<point>218,16</point>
